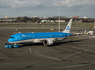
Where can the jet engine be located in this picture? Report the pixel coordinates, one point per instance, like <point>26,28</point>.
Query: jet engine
<point>47,42</point>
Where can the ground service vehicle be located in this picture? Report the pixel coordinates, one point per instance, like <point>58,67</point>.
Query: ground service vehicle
<point>10,45</point>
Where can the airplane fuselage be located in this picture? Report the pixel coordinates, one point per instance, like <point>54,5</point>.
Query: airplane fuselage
<point>37,37</point>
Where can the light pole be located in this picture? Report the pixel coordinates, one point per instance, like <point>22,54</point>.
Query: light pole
<point>94,22</point>
<point>59,17</point>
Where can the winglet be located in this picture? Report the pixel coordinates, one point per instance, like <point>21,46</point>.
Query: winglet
<point>68,27</point>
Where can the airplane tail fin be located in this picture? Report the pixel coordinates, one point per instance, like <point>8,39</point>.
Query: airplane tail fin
<point>68,27</point>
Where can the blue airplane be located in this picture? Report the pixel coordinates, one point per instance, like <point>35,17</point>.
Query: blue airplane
<point>47,38</point>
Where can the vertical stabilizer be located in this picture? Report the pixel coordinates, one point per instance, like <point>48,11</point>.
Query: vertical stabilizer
<point>68,27</point>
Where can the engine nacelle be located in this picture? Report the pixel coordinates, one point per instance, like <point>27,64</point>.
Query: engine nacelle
<point>48,42</point>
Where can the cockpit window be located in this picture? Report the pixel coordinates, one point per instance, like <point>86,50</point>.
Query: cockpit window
<point>12,37</point>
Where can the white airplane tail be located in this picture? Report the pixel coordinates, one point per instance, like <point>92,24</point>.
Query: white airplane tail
<point>68,27</point>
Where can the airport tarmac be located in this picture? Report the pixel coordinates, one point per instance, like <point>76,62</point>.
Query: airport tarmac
<point>71,54</point>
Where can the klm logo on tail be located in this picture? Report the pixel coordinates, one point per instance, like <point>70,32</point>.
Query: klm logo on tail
<point>67,28</point>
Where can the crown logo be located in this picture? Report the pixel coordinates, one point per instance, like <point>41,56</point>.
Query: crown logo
<point>67,28</point>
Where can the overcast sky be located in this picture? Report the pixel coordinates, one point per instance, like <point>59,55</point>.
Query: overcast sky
<point>47,8</point>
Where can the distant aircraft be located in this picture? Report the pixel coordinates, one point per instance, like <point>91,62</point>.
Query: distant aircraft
<point>47,38</point>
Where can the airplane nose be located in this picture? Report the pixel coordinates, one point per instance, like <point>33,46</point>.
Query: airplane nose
<point>9,40</point>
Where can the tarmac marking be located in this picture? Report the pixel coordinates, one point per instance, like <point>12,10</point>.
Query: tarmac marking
<point>83,49</point>
<point>44,55</point>
<point>83,61</point>
<point>72,55</point>
<point>64,48</point>
<point>72,66</point>
<point>2,56</point>
<point>47,57</point>
<point>86,50</point>
<point>89,54</point>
